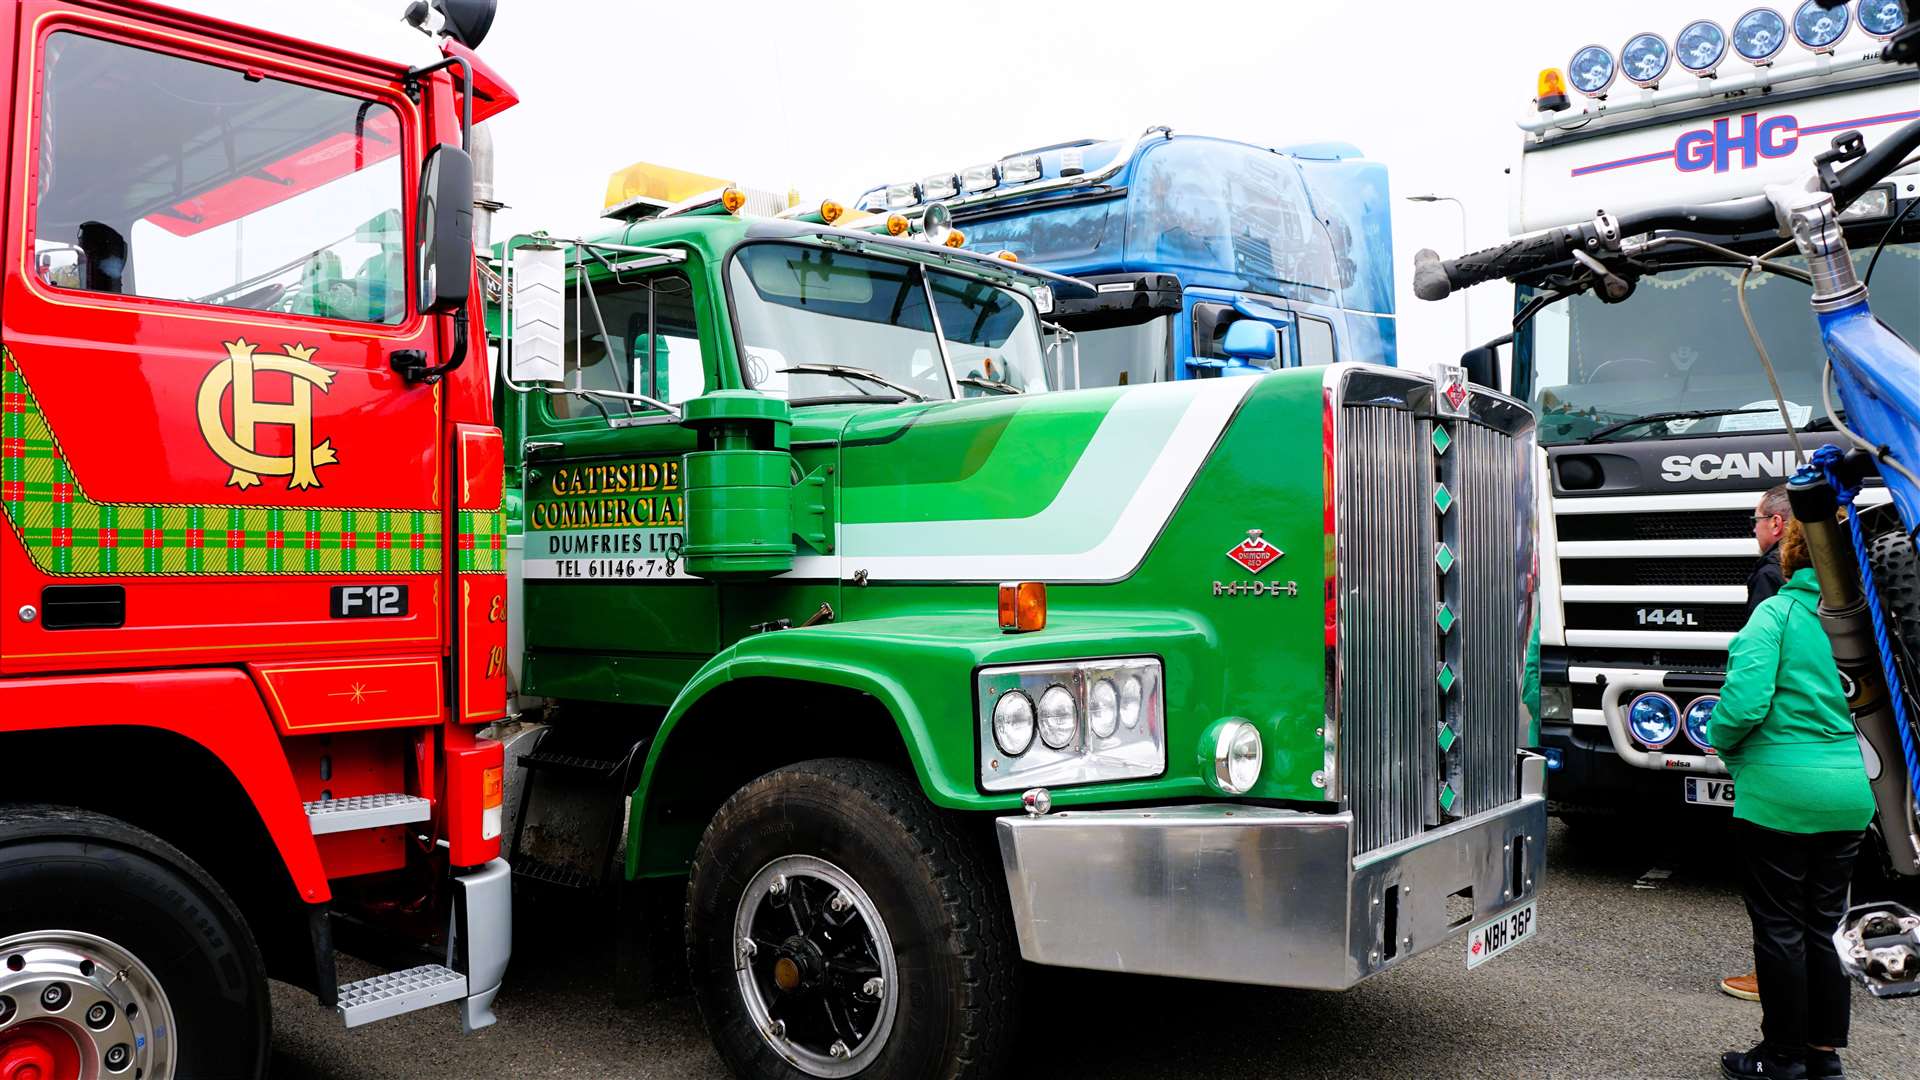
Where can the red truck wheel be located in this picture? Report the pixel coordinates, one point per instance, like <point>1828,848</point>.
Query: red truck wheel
<point>839,925</point>
<point>119,957</point>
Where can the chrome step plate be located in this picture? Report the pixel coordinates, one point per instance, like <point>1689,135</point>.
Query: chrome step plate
<point>398,992</point>
<point>366,812</point>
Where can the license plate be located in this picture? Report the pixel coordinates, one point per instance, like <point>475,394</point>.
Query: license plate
<point>1503,933</point>
<point>1709,791</point>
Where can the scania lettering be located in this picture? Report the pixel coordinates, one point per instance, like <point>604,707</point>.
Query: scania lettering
<point>927,667</point>
<point>1659,430</point>
<point>1183,236</point>
<point>251,543</point>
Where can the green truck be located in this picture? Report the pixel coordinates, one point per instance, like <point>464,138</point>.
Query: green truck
<point>885,671</point>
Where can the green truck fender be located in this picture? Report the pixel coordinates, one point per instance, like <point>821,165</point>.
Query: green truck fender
<point>919,669</point>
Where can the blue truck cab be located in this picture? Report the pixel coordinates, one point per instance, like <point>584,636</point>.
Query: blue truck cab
<point>1185,236</point>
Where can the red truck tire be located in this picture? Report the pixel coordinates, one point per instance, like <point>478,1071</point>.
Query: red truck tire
<point>117,948</point>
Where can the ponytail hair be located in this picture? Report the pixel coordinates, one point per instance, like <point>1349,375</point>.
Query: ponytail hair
<point>1793,549</point>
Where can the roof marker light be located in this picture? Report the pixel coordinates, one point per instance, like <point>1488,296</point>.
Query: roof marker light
<point>1591,70</point>
<point>1759,35</point>
<point>897,225</point>
<point>1644,59</point>
<point>831,211</point>
<point>733,199</point>
<point>1819,29</point>
<point>1006,255</point>
<point>955,238</point>
<point>1700,47</point>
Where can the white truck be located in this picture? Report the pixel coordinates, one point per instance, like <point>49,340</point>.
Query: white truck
<point>1658,429</point>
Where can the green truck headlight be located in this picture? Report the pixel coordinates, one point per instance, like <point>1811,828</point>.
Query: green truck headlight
<point>1237,757</point>
<point>1066,722</point>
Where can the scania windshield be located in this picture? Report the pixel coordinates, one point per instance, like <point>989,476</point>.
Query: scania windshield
<point>821,325</point>
<point>1679,346</point>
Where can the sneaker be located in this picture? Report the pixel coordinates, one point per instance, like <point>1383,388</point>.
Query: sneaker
<point>1760,1063</point>
<point>1745,987</point>
<point>1824,1065</point>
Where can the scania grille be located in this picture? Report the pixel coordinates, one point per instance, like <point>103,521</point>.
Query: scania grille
<point>1432,525</point>
<point>1689,525</point>
<point>1668,571</point>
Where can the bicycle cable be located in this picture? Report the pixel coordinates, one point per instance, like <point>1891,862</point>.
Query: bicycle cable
<point>1766,361</point>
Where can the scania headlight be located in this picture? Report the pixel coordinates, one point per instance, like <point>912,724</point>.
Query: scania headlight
<point>979,177</point>
<point>902,195</point>
<point>940,186</point>
<point>1237,757</point>
<point>1020,170</point>
<point>1070,722</point>
<point>1698,713</point>
<point>1653,719</point>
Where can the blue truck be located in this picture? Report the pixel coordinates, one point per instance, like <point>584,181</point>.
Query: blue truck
<point>1184,236</point>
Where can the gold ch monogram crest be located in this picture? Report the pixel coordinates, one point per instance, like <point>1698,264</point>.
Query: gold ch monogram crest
<point>237,448</point>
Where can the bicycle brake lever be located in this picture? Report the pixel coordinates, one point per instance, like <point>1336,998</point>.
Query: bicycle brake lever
<point>1612,288</point>
<point>1847,146</point>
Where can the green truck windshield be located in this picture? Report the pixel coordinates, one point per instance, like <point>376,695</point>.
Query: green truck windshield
<point>1679,344</point>
<point>797,305</point>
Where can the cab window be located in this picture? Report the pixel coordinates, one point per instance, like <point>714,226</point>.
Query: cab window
<point>1316,341</point>
<point>168,178</point>
<point>645,339</point>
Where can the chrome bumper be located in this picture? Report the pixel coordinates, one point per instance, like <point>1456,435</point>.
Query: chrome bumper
<point>482,938</point>
<point>1249,894</point>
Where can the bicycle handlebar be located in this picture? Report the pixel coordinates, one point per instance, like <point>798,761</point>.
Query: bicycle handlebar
<point>1435,278</point>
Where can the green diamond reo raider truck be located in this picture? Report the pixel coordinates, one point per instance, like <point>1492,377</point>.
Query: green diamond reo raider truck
<point>880,670</point>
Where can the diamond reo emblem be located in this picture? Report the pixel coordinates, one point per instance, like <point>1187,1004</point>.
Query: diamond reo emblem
<point>1254,553</point>
<point>1451,381</point>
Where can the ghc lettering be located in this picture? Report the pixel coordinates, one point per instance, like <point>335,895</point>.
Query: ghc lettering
<point>1774,137</point>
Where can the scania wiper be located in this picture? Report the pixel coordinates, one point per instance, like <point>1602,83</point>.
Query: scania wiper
<point>848,371</point>
<point>1678,414</point>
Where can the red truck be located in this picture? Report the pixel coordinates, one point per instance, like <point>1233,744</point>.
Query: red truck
<point>252,610</point>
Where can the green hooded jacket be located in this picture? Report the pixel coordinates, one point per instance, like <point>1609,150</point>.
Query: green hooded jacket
<point>1782,724</point>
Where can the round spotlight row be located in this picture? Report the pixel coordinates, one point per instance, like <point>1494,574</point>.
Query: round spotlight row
<point>1758,36</point>
<point>1656,719</point>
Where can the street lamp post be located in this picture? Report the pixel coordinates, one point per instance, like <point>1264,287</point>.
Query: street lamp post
<point>1466,327</point>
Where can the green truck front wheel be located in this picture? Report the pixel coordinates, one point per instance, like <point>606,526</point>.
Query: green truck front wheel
<point>839,925</point>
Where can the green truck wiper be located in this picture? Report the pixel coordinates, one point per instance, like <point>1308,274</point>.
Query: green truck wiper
<point>989,384</point>
<point>1678,414</point>
<point>847,371</point>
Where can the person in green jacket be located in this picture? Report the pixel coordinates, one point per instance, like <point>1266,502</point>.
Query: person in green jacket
<point>1801,808</point>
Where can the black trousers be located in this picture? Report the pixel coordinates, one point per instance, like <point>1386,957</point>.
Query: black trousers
<point>1796,888</point>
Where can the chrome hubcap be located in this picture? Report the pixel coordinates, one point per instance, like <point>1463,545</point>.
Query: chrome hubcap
<point>815,966</point>
<point>78,1007</point>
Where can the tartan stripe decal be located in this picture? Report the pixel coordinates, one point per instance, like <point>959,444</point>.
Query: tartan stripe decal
<point>66,533</point>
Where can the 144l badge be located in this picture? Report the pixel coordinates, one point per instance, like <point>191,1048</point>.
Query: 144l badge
<point>1254,553</point>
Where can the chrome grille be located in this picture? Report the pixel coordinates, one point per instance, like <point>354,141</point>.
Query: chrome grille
<point>1395,773</point>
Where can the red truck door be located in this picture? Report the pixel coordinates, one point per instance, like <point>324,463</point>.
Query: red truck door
<point>205,452</point>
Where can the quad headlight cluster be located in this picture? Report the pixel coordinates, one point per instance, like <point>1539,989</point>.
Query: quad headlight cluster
<point>1074,722</point>
<point>1757,37</point>
<point>1656,719</point>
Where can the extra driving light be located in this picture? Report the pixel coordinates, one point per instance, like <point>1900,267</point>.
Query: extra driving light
<point>1013,723</point>
<point>1103,709</point>
<point>1237,757</point>
<point>1759,35</point>
<point>1882,18</point>
<point>1818,28</point>
<point>1059,717</point>
<point>1698,713</point>
<point>1020,170</point>
<point>940,186</point>
<point>1654,719</point>
<point>900,196</point>
<point>1551,91</point>
<point>1645,58</point>
<point>1701,46</point>
<point>979,178</point>
<point>1130,693</point>
<point>1591,70</point>
<point>1058,723</point>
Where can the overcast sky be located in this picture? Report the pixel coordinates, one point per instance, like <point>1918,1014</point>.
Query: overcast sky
<point>837,96</point>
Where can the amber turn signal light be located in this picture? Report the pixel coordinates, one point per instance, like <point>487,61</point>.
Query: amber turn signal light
<point>897,225</point>
<point>1023,606</point>
<point>733,199</point>
<point>831,211</point>
<point>955,238</point>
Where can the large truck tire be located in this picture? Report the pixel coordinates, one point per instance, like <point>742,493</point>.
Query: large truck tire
<point>839,925</point>
<point>120,957</point>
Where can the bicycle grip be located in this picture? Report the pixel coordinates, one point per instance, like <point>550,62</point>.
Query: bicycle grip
<point>1435,278</point>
